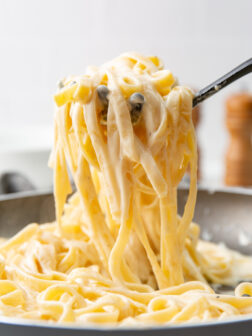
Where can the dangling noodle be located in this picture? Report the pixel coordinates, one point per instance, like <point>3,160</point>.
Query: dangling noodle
<point>119,253</point>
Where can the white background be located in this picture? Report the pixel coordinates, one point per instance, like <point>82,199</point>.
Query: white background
<point>41,41</point>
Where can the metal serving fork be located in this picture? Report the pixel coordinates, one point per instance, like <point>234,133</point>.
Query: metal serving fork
<point>238,72</point>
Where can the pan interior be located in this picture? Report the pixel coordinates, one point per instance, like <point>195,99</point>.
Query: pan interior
<point>224,216</point>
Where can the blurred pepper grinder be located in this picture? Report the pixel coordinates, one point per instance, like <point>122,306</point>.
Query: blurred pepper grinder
<point>238,162</point>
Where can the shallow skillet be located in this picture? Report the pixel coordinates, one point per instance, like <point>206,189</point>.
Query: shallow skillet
<point>224,215</point>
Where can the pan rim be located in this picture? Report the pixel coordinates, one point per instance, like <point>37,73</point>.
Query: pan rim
<point>99,328</point>
<point>210,190</point>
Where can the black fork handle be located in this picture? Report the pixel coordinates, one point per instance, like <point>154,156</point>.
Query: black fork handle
<point>238,72</point>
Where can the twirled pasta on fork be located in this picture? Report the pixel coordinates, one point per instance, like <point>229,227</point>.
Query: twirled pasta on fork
<point>119,253</point>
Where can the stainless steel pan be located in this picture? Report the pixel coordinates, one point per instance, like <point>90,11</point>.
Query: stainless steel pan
<point>224,215</point>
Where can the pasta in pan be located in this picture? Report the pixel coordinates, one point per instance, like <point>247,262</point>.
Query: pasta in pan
<point>119,253</point>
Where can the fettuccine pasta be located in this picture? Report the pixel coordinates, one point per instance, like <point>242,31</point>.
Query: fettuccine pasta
<point>119,253</point>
